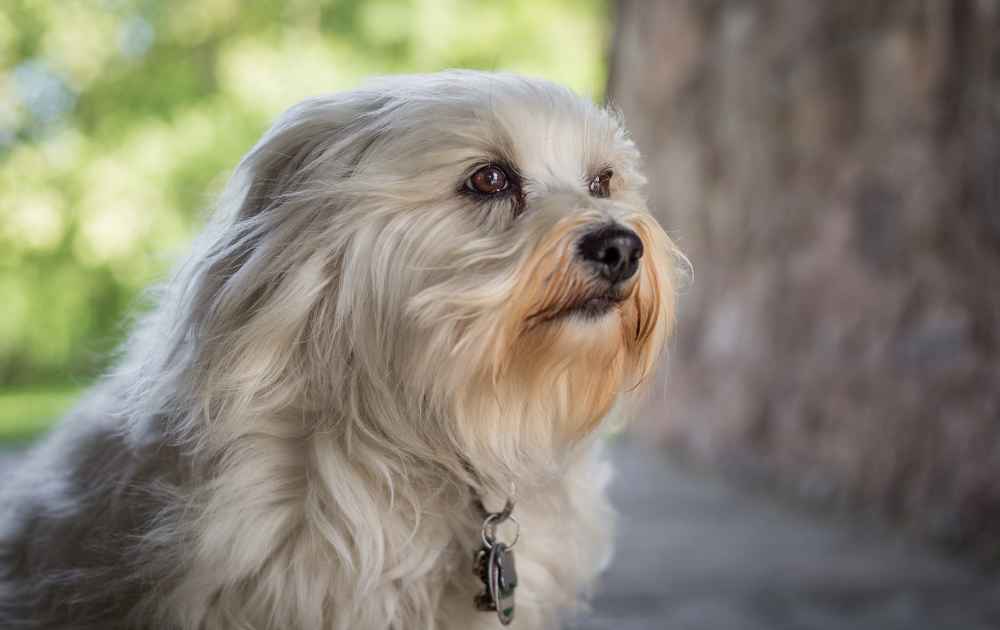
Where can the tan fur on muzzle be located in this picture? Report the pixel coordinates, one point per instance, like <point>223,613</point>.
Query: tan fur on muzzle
<point>579,365</point>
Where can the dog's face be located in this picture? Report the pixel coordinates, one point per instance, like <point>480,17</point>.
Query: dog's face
<point>466,247</point>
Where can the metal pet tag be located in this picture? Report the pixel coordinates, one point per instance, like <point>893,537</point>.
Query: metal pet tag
<point>495,567</point>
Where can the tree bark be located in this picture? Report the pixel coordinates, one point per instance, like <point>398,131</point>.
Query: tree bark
<point>832,169</point>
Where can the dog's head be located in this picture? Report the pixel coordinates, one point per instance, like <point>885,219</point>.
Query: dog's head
<point>458,259</point>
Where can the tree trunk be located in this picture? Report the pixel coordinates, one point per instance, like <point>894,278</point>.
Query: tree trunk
<point>832,169</point>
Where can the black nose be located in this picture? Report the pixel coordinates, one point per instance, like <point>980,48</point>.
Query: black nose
<point>614,251</point>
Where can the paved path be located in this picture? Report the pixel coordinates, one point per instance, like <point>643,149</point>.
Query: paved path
<point>696,554</point>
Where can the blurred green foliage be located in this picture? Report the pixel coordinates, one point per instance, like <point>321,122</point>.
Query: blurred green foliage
<point>26,412</point>
<point>119,121</point>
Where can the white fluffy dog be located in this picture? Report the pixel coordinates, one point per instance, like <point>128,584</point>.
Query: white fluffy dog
<point>415,296</point>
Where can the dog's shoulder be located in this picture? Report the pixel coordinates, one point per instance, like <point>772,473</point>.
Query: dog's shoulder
<point>77,507</point>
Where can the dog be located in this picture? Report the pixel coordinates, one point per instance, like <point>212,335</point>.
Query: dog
<point>395,348</point>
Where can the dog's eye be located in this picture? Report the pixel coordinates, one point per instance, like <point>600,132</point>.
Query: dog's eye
<point>600,185</point>
<point>489,180</point>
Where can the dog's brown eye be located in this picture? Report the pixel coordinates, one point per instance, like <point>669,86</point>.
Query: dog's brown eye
<point>600,186</point>
<point>489,180</point>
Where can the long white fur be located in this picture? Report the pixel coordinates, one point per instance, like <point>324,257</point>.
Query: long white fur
<point>296,433</point>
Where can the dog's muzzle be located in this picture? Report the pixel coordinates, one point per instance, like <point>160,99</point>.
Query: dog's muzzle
<point>612,256</point>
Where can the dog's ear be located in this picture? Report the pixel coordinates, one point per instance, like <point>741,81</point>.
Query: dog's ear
<point>318,134</point>
<point>280,187</point>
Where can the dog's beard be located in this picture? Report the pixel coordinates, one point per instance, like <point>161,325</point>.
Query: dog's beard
<point>533,358</point>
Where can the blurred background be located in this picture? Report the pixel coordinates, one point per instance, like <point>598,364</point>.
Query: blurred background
<point>832,169</point>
